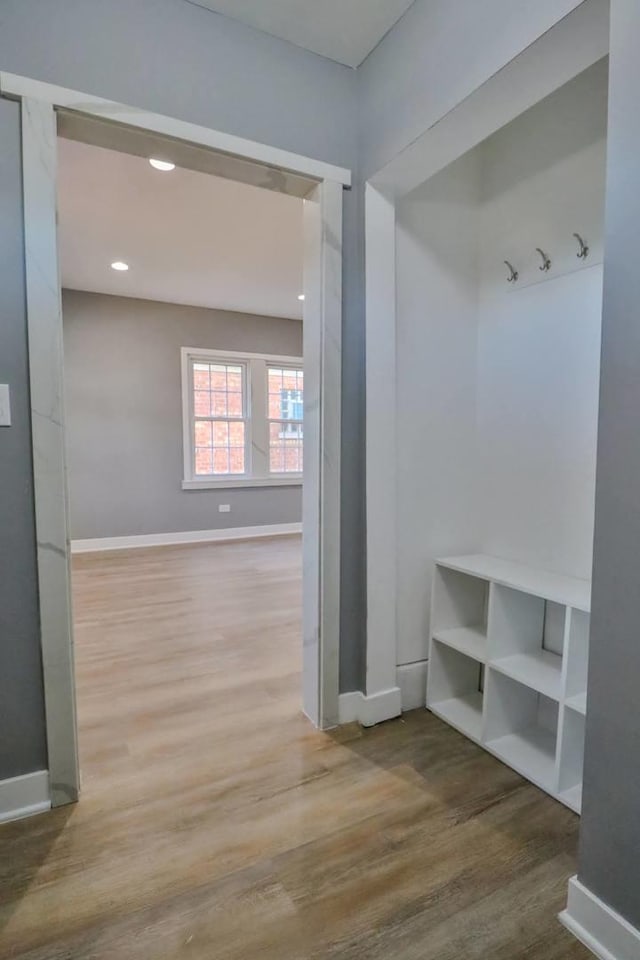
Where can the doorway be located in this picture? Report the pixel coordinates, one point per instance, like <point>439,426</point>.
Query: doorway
<point>184,386</point>
<point>322,288</point>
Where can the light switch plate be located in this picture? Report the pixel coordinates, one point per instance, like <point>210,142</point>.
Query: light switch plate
<point>5,405</point>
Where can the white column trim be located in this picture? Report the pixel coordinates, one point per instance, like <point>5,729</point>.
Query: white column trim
<point>322,332</point>
<point>44,319</point>
<point>380,242</point>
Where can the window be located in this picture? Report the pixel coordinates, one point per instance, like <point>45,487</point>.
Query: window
<point>285,419</point>
<point>219,419</point>
<point>243,419</point>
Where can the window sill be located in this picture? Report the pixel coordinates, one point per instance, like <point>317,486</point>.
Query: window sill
<point>221,483</point>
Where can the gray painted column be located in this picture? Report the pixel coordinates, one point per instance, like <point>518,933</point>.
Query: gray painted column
<point>22,735</point>
<point>610,833</point>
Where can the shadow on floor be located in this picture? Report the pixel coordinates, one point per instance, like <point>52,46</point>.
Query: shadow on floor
<point>28,842</point>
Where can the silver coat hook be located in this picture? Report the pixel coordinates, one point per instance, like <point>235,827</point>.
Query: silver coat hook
<point>584,249</point>
<point>513,273</point>
<point>546,263</point>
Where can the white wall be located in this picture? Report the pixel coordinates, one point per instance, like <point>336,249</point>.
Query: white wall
<point>498,385</point>
<point>436,363</point>
<point>539,339</point>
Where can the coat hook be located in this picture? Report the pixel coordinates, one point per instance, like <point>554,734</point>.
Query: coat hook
<point>546,263</point>
<point>513,273</point>
<point>584,249</point>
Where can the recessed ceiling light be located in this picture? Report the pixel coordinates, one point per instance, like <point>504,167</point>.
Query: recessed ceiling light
<point>164,165</point>
<point>119,265</point>
<point>301,296</point>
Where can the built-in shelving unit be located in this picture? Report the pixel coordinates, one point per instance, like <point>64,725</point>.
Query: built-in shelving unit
<point>508,666</point>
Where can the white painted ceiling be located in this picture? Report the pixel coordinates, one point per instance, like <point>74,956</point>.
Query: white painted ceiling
<point>188,237</point>
<point>343,30</point>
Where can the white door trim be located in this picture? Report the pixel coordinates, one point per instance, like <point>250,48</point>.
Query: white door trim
<point>323,318</point>
<point>101,109</point>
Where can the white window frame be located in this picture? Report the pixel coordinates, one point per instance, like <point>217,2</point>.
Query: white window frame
<point>257,472</point>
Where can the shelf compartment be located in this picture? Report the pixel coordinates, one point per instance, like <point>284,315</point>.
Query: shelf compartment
<point>522,728</point>
<point>572,758</point>
<point>577,703</point>
<point>531,752</point>
<point>454,689</point>
<point>464,713</point>
<point>458,601</point>
<point>541,670</point>
<point>472,641</point>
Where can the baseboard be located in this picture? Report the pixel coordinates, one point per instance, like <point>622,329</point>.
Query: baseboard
<point>412,680</point>
<point>603,931</point>
<point>187,536</point>
<point>370,710</point>
<point>24,796</point>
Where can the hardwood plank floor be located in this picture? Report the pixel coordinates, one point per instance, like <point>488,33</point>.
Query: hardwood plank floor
<point>216,824</point>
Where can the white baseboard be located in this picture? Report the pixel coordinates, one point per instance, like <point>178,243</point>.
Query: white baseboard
<point>603,931</point>
<point>409,694</point>
<point>24,796</point>
<point>187,536</point>
<point>412,680</point>
<point>369,710</point>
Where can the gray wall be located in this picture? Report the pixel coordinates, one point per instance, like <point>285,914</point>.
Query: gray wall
<point>437,54</point>
<point>22,737</point>
<point>178,59</point>
<point>610,830</point>
<point>123,399</point>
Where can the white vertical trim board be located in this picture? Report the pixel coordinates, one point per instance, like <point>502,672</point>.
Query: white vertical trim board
<point>603,931</point>
<point>24,796</point>
<point>44,322</point>
<point>186,536</point>
<point>380,242</point>
<point>322,336</point>
<point>412,681</point>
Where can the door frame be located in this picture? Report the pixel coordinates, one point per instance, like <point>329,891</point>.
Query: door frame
<point>322,336</point>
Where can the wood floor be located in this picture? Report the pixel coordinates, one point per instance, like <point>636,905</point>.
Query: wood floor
<point>215,824</point>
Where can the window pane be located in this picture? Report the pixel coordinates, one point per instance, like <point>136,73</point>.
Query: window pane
<point>203,433</point>
<point>204,461</point>
<point>218,390</point>
<point>285,447</point>
<point>220,433</point>
<point>286,408</point>
<point>234,379</point>
<point>219,447</point>
<point>234,404</point>
<point>201,403</point>
<point>221,461</point>
<point>219,404</point>
<point>201,376</point>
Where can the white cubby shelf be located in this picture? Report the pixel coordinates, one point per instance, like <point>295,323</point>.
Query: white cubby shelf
<point>508,666</point>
